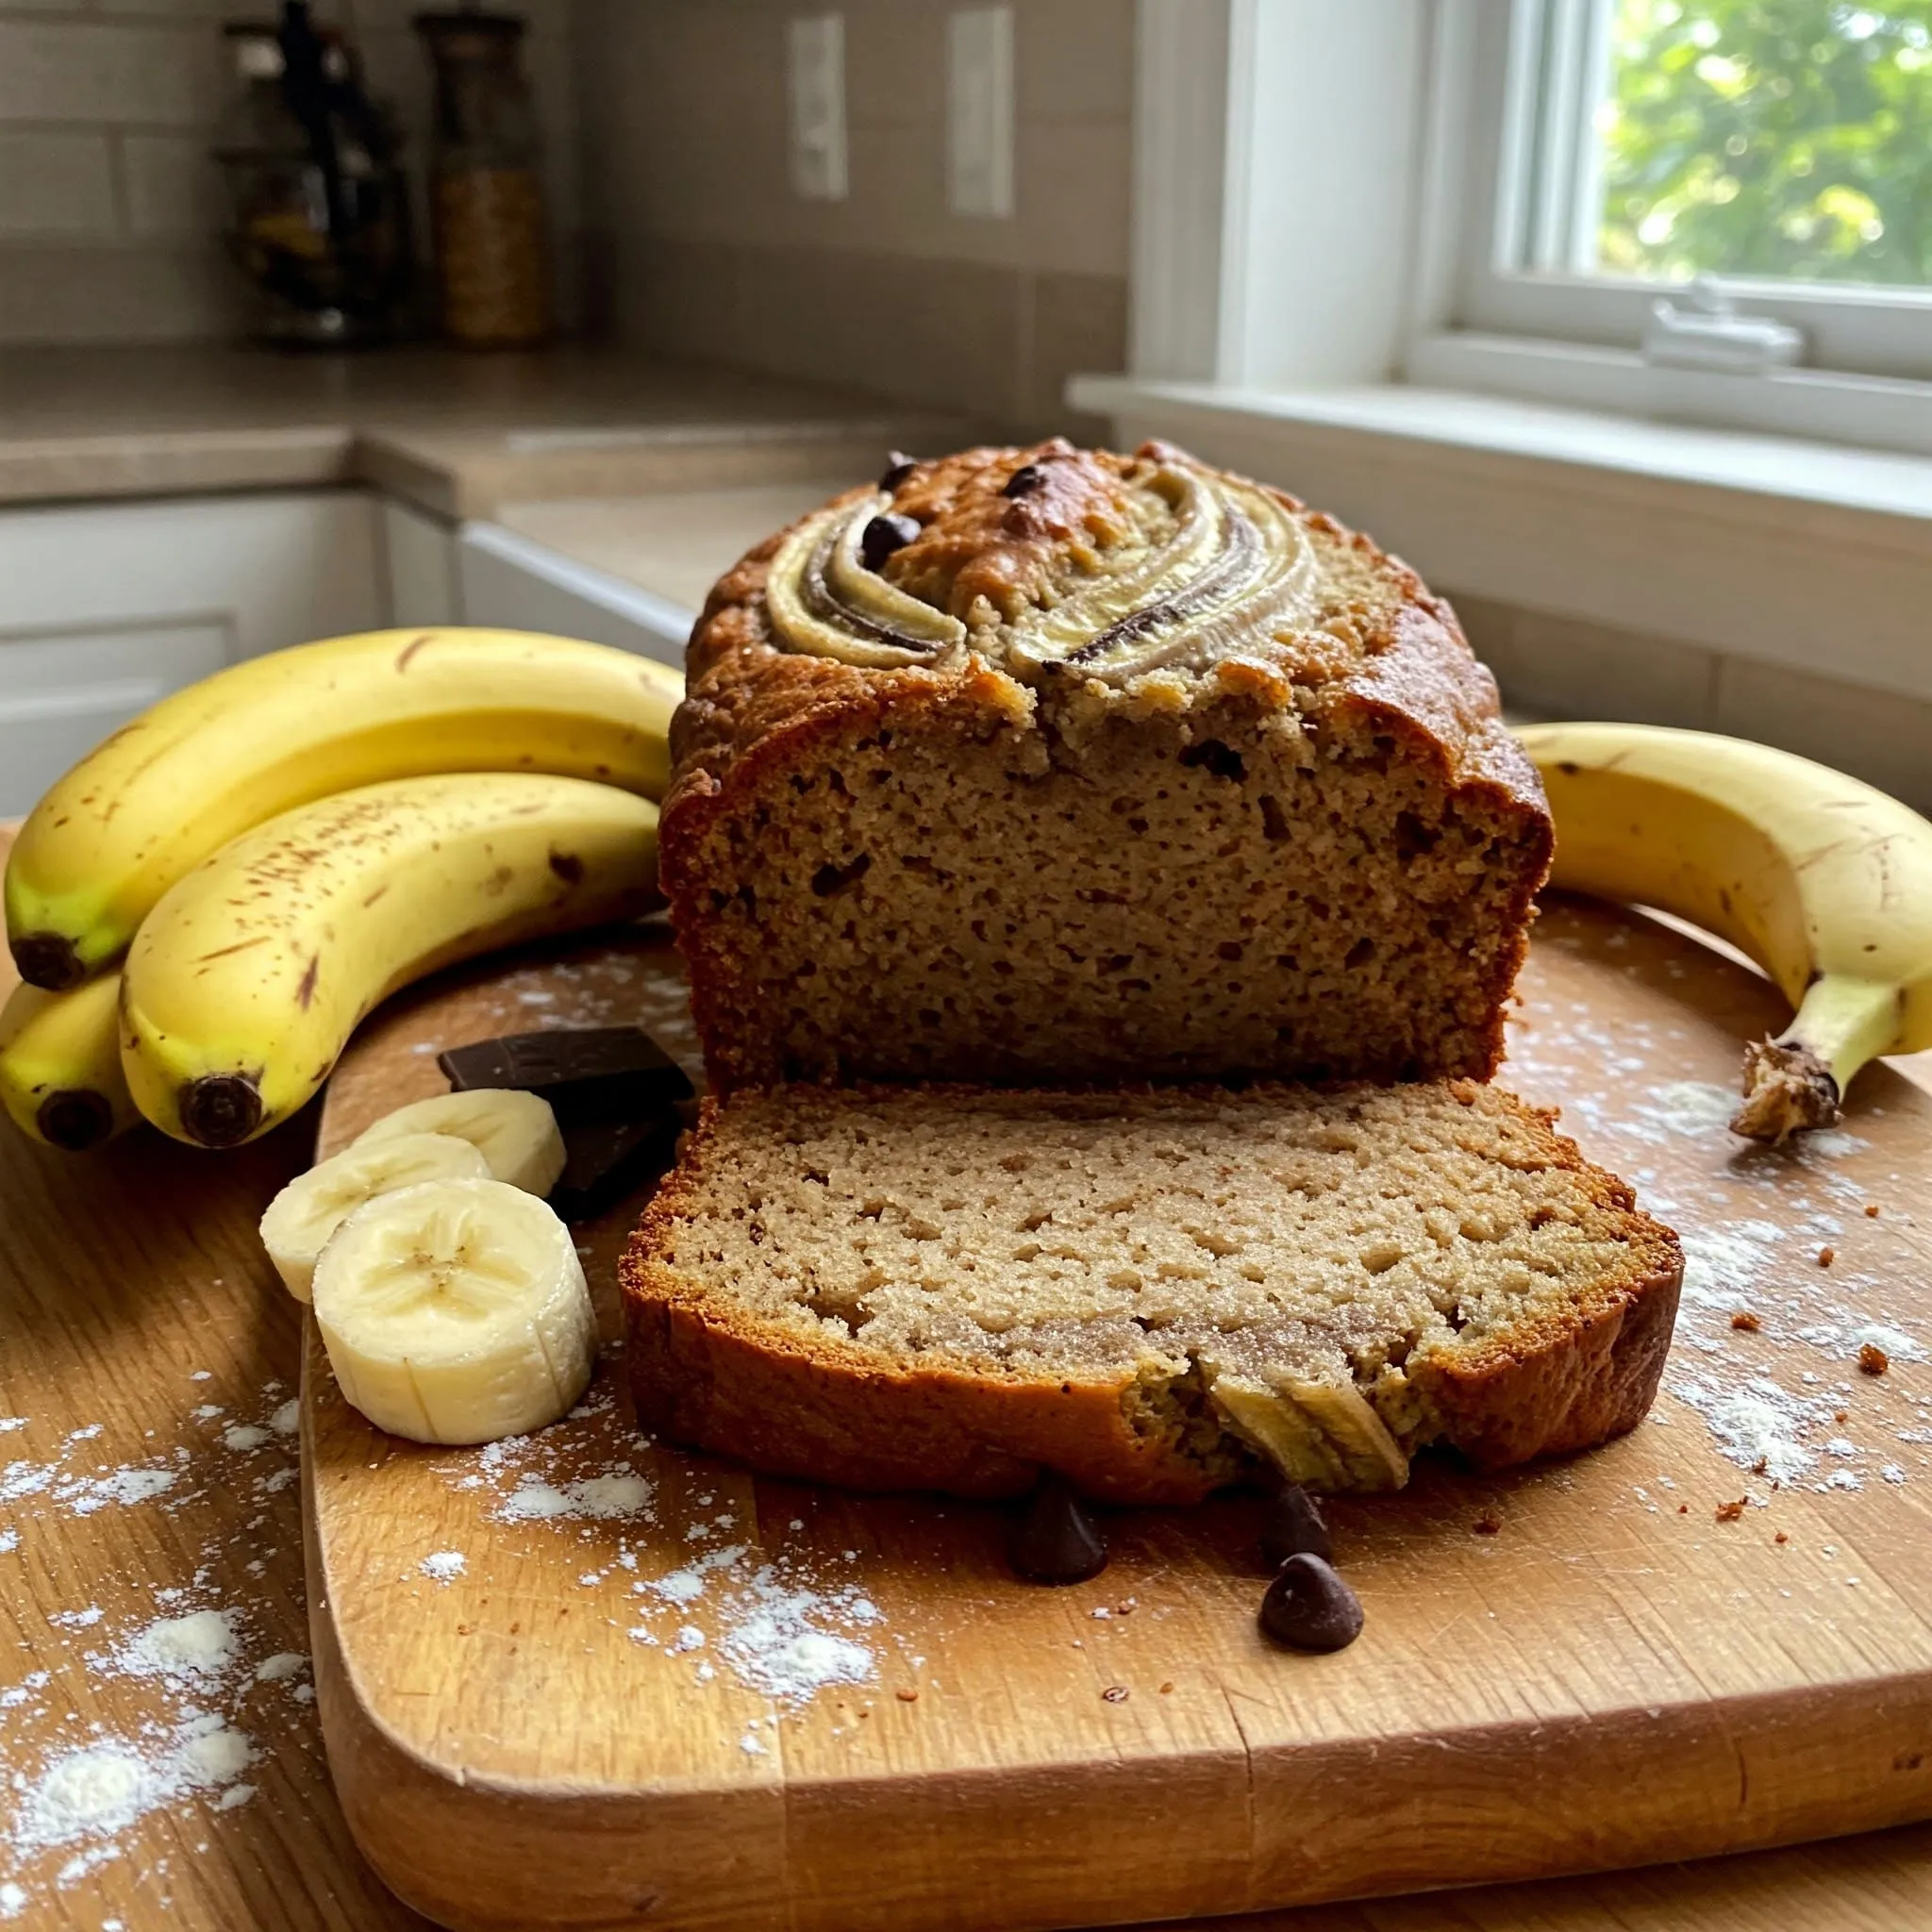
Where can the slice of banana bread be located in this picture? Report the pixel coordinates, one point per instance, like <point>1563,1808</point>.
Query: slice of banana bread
<point>952,1287</point>
<point>1058,765</point>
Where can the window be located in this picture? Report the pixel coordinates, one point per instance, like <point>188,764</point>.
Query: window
<point>1712,209</point>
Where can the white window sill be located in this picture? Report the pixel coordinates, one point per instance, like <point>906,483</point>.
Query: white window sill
<point>1793,551</point>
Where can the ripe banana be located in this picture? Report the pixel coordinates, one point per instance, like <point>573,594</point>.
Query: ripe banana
<point>219,759</point>
<point>247,980</point>
<point>301,1218</point>
<point>60,1075</point>
<point>515,1133</point>
<point>1824,881</point>
<point>1323,1434</point>
<point>456,1311</point>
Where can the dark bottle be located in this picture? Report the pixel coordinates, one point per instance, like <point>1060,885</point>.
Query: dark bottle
<point>318,203</point>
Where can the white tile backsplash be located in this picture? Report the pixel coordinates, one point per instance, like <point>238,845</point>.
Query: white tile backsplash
<point>114,72</point>
<point>55,183</point>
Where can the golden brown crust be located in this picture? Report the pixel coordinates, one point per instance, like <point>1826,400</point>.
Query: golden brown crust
<point>706,1371</point>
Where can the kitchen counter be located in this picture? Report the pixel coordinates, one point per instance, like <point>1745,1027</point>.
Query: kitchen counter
<point>676,546</point>
<point>149,1472</point>
<point>455,435</point>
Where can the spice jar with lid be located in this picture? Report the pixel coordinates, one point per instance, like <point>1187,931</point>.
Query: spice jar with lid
<point>485,184</point>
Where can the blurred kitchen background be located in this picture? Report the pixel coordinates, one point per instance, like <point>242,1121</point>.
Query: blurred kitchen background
<point>539,316</point>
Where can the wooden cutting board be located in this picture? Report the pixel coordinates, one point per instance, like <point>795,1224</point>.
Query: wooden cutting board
<point>589,1680</point>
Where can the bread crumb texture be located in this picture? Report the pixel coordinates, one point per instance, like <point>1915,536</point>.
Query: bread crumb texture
<point>1326,1280</point>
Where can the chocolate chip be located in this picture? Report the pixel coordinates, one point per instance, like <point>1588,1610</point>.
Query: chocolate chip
<point>884,535</point>
<point>898,467</point>
<point>1309,1608</point>
<point>1055,1540</point>
<point>1294,1528</point>
<point>1025,481</point>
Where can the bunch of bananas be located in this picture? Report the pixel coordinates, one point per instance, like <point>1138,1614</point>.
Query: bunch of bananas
<point>206,906</point>
<point>1825,882</point>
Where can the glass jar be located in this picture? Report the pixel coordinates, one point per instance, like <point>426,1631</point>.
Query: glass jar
<point>485,184</point>
<point>318,204</point>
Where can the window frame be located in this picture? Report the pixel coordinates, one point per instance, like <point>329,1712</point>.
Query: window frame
<point>1551,334</point>
<point>1857,328</point>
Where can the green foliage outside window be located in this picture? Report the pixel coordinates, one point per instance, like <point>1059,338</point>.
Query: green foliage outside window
<point>1768,137</point>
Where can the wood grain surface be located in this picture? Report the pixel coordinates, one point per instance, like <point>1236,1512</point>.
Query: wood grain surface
<point>124,1275</point>
<point>1652,1652</point>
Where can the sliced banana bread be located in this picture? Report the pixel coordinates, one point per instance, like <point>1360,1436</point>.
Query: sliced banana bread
<point>1059,765</point>
<point>952,1287</point>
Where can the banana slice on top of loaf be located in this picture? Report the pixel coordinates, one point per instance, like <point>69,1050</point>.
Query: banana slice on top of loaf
<point>1148,1291</point>
<point>1053,765</point>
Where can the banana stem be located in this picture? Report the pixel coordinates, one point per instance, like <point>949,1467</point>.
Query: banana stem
<point>1794,1083</point>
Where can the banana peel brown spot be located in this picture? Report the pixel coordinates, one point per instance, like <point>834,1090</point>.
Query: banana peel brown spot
<point>567,866</point>
<point>240,946</point>
<point>304,992</point>
<point>410,649</point>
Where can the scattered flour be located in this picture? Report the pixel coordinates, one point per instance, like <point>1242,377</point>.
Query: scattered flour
<point>123,1485</point>
<point>1688,1107</point>
<point>1759,1423</point>
<point>244,1437</point>
<point>444,1566</point>
<point>199,1646</point>
<point>777,1643</point>
<point>1894,1342</point>
<point>618,1494</point>
<point>283,1665</point>
<point>286,1419</point>
<point>105,1787</point>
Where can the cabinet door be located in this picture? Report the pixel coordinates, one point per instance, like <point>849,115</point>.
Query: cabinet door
<point>105,609</point>
<point>514,584</point>
<point>61,696</point>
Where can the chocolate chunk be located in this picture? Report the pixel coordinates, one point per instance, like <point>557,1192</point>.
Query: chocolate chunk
<point>606,1160</point>
<point>898,467</point>
<point>884,535</point>
<point>1056,1541</point>
<point>1294,1528</point>
<point>585,1074</point>
<point>1025,481</point>
<point>1309,1608</point>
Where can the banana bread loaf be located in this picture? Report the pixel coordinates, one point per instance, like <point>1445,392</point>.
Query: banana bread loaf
<point>950,1287</point>
<point>1053,764</point>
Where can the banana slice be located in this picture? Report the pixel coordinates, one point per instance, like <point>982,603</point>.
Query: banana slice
<point>516,1132</point>
<point>455,1312</point>
<point>1324,1434</point>
<point>302,1217</point>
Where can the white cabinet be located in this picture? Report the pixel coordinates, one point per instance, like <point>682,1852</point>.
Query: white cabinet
<point>105,609</point>
<point>508,581</point>
<point>421,555</point>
